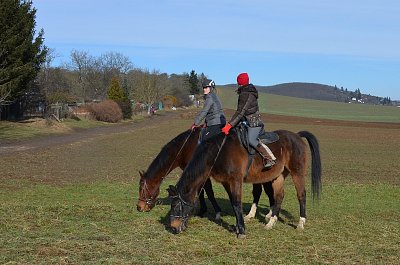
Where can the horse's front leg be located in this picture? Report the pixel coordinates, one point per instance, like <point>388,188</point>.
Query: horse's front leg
<point>234,191</point>
<point>257,190</point>
<point>270,193</point>
<point>210,194</point>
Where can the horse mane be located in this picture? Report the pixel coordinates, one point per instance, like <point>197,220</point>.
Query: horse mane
<point>202,159</point>
<point>163,159</point>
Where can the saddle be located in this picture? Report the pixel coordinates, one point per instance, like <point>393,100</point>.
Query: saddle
<point>265,138</point>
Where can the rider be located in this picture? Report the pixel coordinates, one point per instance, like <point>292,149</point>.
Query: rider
<point>212,112</point>
<point>247,111</point>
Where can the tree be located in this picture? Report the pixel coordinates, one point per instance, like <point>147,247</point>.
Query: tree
<point>21,52</point>
<point>115,91</point>
<point>147,88</point>
<point>194,83</point>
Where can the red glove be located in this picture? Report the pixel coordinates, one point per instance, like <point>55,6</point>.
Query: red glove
<point>226,128</point>
<point>193,126</point>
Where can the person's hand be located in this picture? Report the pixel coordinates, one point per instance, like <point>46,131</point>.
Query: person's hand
<point>226,128</point>
<point>193,126</point>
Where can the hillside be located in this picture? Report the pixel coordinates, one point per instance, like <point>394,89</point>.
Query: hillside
<point>320,109</point>
<point>317,91</point>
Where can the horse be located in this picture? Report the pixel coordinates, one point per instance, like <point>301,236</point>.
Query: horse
<point>225,160</point>
<point>151,179</point>
<point>176,153</point>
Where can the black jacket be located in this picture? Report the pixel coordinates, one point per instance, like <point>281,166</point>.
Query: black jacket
<point>247,103</point>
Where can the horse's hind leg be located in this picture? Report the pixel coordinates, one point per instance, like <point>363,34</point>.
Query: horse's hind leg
<point>299,183</point>
<point>270,193</point>
<point>277,186</point>
<point>257,190</point>
<point>210,194</point>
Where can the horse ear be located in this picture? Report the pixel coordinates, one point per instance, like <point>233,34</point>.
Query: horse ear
<point>172,190</point>
<point>141,173</point>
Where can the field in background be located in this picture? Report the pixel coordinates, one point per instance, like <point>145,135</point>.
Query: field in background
<point>75,203</point>
<point>291,106</point>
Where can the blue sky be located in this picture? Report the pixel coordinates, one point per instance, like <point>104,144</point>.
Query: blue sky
<point>351,44</point>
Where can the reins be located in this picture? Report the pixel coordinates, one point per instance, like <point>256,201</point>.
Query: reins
<point>215,160</point>
<point>149,200</point>
<point>182,201</point>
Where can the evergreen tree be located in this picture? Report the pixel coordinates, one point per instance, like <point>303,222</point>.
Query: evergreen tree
<point>115,91</point>
<point>194,83</point>
<point>21,53</point>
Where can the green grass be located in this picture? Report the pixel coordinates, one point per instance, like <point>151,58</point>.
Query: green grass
<point>291,106</point>
<point>98,223</point>
<point>76,204</point>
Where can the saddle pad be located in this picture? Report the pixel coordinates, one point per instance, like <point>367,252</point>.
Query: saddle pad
<point>269,137</point>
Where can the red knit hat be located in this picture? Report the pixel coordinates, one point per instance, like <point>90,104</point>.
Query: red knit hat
<point>243,79</point>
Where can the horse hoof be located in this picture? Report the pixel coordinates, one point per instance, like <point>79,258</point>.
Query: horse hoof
<point>271,222</point>
<point>241,236</point>
<point>300,226</point>
<point>268,227</point>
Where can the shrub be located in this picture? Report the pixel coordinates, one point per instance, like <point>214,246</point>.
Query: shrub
<point>107,111</point>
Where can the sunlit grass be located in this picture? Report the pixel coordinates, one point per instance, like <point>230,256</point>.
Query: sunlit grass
<point>292,106</point>
<point>75,203</point>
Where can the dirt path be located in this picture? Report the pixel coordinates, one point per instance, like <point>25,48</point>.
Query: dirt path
<point>10,147</point>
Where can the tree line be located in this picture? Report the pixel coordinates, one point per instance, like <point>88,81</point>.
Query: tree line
<point>26,71</point>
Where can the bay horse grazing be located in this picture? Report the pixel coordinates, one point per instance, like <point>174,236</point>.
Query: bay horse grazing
<point>176,153</point>
<point>229,169</point>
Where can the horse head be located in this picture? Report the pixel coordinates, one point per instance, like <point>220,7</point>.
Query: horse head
<point>148,194</point>
<point>180,210</point>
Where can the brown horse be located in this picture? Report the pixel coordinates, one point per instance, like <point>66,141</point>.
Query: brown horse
<point>225,159</point>
<point>176,153</point>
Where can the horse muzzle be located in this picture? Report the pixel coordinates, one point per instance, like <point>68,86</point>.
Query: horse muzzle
<point>177,226</point>
<point>143,207</point>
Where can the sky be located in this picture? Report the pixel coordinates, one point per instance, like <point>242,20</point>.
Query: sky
<point>351,44</point>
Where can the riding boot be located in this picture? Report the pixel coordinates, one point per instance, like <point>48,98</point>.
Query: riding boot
<point>268,160</point>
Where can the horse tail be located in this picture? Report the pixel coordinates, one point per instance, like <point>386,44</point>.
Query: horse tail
<point>316,169</point>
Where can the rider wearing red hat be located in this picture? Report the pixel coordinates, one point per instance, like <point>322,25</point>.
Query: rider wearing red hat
<point>248,112</point>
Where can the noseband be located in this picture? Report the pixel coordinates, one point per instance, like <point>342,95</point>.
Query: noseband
<point>180,204</point>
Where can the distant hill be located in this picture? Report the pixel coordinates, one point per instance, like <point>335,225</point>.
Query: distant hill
<point>319,92</point>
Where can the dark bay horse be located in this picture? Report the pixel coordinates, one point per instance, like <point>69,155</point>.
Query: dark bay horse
<point>176,153</point>
<point>229,168</point>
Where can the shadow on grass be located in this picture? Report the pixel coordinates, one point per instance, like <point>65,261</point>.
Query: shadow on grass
<point>226,207</point>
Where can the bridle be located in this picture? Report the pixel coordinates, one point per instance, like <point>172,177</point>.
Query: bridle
<point>149,200</point>
<point>180,204</point>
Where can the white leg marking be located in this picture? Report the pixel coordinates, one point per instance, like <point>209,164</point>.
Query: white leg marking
<point>268,216</point>
<point>252,213</point>
<point>302,221</point>
<point>271,222</point>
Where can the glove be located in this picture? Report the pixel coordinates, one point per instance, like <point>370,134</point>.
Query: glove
<point>226,128</point>
<point>193,126</point>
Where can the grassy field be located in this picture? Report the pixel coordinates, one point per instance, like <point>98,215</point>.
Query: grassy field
<point>75,204</point>
<point>291,106</point>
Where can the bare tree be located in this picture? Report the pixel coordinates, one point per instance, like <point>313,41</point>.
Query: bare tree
<point>147,87</point>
